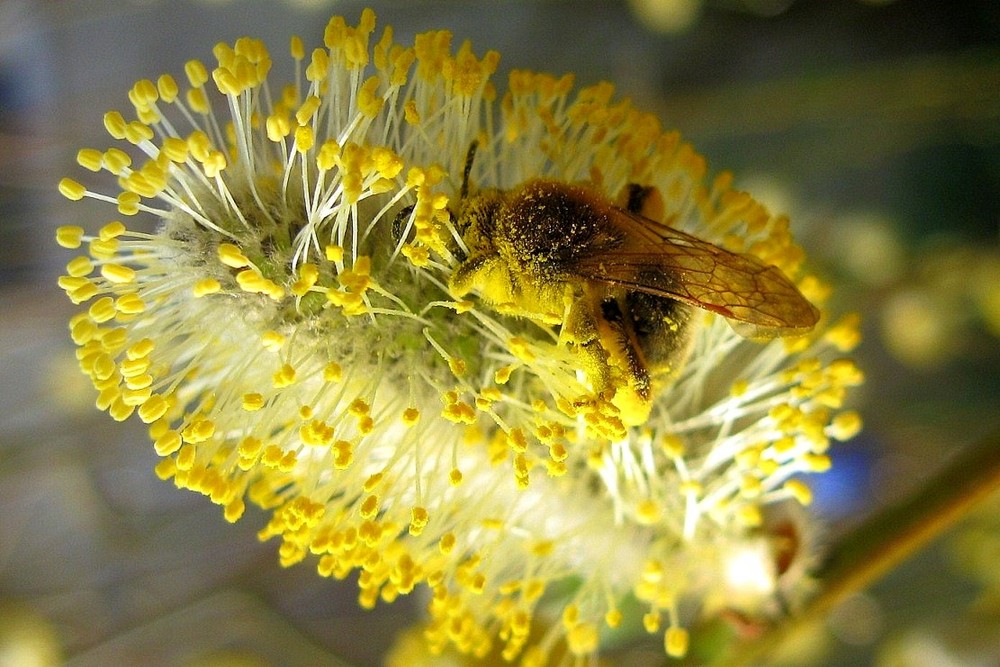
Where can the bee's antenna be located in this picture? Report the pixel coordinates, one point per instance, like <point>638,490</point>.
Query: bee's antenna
<point>469,157</point>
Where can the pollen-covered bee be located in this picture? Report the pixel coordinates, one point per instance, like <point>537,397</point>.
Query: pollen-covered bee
<point>620,284</point>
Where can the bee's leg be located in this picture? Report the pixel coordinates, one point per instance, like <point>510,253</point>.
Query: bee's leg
<point>580,328</point>
<point>618,337</point>
<point>475,272</point>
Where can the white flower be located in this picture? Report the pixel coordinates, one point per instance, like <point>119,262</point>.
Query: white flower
<point>288,334</point>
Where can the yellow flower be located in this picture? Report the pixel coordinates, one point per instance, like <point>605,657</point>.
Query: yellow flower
<point>288,334</point>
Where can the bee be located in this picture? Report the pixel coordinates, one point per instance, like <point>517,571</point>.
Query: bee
<point>620,285</point>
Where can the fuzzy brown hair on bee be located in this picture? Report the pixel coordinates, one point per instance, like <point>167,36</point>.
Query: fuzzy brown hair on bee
<point>620,285</point>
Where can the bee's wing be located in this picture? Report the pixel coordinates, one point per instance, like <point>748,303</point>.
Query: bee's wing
<point>663,261</point>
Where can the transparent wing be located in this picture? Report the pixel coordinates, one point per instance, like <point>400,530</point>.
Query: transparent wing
<point>663,261</point>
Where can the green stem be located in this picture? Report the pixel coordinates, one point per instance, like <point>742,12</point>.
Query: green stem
<point>885,540</point>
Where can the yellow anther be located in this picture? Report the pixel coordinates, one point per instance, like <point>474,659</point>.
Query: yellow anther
<point>168,443</point>
<point>79,266</point>
<point>750,515</point>
<point>278,127</point>
<point>115,124</point>
<point>116,161</point>
<point>69,236</point>
<point>71,189</point>
<point>308,275</point>
<point>332,372</point>
<point>140,349</point>
<point>198,431</point>
<point>175,149</point>
<point>284,377</point>
<point>334,253</point>
<point>369,507</point>
<point>273,341</point>
<point>455,477</point>
<point>233,510</point>
<point>845,425</point>
<point>369,100</point>
<point>102,310</point>
<point>647,512</point>
<point>250,447</point>
<point>112,230</point>
<point>502,375</point>
<point>318,65</point>
<point>410,113</point>
<point>518,441</point>
<point>118,274</point>
<point>343,454</point>
<point>675,642</point>
<point>199,145</point>
<point>167,87</point>
<point>799,490</point>
<point>131,368</point>
<point>137,132</point>
<point>215,164</point>
<point>418,520</point>
<point>205,286</point>
<point>296,48</point>
<point>89,158</point>
<point>186,457</point>
<point>582,639</point>
<point>411,416</point>
<point>196,73</point>
<point>128,203</point>
<point>307,110</point>
<point>154,408</point>
<point>197,100</point>
<point>143,93</point>
<point>817,462</point>
<point>130,304</point>
<point>304,138</point>
<point>372,482</point>
<point>232,257</point>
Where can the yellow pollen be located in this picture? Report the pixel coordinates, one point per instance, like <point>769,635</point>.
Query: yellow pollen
<point>675,642</point>
<point>332,372</point>
<point>372,482</point>
<point>71,189</point>
<point>89,158</point>
<point>418,520</point>
<point>154,408</point>
<point>411,416</point>
<point>799,490</point>
<point>116,273</point>
<point>232,257</point>
<point>273,341</point>
<point>205,286</point>
<point>369,508</point>
<point>69,236</point>
<point>284,377</point>
<point>582,639</point>
<point>79,267</point>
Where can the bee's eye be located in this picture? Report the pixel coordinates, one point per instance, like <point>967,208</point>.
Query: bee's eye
<point>400,222</point>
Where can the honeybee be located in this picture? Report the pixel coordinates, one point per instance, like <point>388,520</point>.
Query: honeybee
<point>620,285</point>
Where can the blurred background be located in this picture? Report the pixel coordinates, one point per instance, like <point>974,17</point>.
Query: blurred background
<point>875,124</point>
